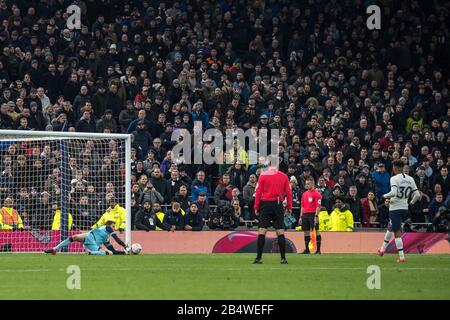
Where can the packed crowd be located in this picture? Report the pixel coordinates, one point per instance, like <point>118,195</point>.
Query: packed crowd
<point>347,100</point>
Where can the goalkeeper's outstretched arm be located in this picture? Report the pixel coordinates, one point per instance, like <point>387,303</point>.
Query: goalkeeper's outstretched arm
<point>110,247</point>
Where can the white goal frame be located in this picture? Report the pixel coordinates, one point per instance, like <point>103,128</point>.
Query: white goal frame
<point>80,135</point>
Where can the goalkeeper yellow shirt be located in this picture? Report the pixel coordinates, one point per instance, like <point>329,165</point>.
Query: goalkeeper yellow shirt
<point>116,214</point>
<point>341,220</point>
<point>324,221</point>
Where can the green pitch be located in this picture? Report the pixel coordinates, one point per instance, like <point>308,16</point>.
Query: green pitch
<point>38,276</point>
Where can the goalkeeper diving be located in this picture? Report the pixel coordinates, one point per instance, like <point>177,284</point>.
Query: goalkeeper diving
<point>93,240</point>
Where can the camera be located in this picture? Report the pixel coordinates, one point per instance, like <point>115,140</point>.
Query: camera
<point>441,222</point>
<point>223,217</point>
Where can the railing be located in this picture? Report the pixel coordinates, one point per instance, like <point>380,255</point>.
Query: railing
<point>356,225</point>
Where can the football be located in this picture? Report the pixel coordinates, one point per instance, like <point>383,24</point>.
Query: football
<point>136,248</point>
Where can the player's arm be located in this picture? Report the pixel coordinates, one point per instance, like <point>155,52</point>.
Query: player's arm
<point>258,194</point>
<point>393,191</point>
<point>288,191</point>
<point>318,206</point>
<point>113,250</point>
<point>115,237</point>
<point>301,211</point>
<point>416,196</point>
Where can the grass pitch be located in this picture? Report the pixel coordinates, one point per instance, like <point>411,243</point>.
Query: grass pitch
<point>223,276</point>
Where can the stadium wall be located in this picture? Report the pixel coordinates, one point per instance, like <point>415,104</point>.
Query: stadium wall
<point>235,242</point>
<point>244,241</point>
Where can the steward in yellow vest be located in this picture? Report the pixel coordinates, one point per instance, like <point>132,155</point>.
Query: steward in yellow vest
<point>324,220</point>
<point>114,213</point>
<point>9,217</point>
<point>341,217</point>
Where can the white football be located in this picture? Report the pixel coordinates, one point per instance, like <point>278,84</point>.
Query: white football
<point>136,248</point>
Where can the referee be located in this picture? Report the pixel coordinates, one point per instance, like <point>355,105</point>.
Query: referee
<point>272,188</point>
<point>309,213</point>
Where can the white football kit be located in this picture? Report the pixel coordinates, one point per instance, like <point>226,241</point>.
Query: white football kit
<point>402,185</point>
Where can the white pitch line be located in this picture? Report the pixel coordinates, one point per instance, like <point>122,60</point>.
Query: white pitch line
<point>262,268</point>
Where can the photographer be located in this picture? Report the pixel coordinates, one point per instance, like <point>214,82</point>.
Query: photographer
<point>223,218</point>
<point>151,195</point>
<point>441,222</point>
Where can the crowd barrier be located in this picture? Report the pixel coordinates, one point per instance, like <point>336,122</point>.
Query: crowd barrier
<point>236,242</point>
<point>245,241</point>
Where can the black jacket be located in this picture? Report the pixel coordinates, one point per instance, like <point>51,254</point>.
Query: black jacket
<point>163,187</point>
<point>174,219</point>
<point>355,207</point>
<point>185,202</point>
<point>100,104</point>
<point>203,209</point>
<point>147,220</point>
<point>383,211</point>
<point>445,183</point>
<point>37,121</point>
<point>71,90</point>
<point>85,126</point>
<point>6,122</point>
<point>194,220</point>
<point>114,103</point>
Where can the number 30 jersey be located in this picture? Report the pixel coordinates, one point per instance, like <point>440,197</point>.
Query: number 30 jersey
<point>403,185</point>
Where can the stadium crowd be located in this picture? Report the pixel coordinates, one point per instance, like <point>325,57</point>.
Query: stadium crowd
<point>347,101</point>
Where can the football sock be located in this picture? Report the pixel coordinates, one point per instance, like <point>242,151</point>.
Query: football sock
<point>282,245</point>
<point>261,243</point>
<point>399,245</point>
<point>99,253</point>
<point>307,239</point>
<point>63,244</point>
<point>319,241</point>
<point>387,238</point>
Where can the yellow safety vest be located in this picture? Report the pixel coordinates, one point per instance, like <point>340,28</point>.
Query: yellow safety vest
<point>324,221</point>
<point>241,155</point>
<point>10,219</point>
<point>116,214</point>
<point>56,225</point>
<point>341,221</point>
<point>160,216</point>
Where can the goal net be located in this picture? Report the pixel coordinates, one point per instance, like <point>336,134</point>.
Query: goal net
<point>55,184</point>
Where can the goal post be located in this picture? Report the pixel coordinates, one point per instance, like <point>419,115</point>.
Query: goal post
<point>56,184</point>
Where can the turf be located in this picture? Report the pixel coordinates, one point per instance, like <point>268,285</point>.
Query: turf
<point>223,276</point>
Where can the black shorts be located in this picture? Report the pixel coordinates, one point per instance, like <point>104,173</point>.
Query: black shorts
<point>271,214</point>
<point>308,222</point>
<point>395,219</point>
